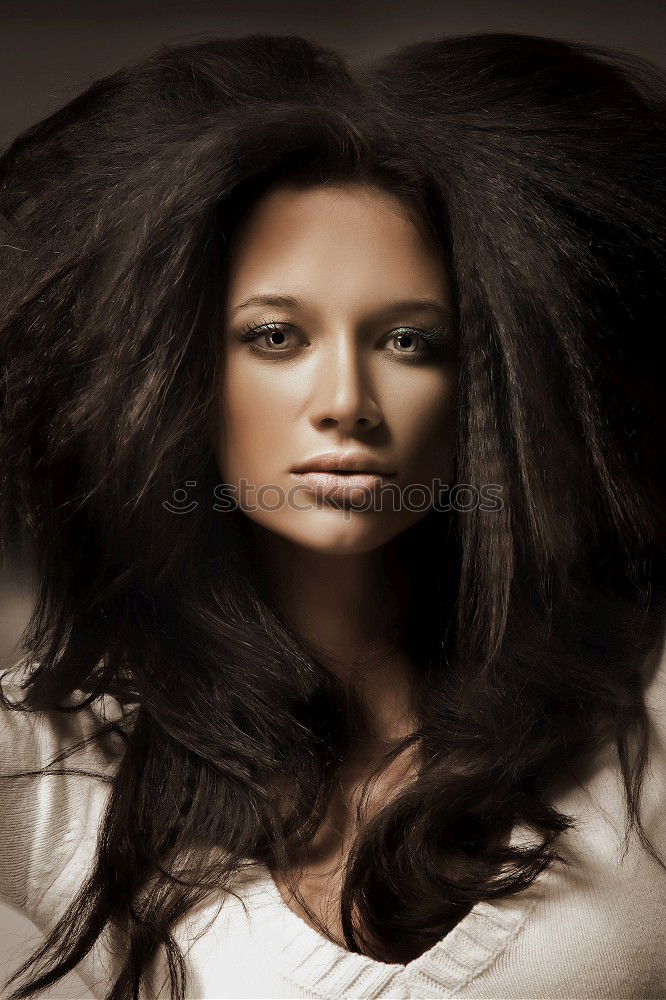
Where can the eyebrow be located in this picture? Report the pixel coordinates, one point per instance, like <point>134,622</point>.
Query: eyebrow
<point>393,307</point>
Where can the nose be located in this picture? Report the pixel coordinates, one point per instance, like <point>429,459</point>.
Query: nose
<point>342,395</point>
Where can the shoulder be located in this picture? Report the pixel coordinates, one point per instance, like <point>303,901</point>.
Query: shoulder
<point>608,904</point>
<point>655,693</point>
<point>596,921</point>
<point>593,792</point>
<point>55,778</point>
<point>32,740</point>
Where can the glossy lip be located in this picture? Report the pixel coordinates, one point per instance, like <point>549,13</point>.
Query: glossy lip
<point>355,487</point>
<point>349,461</point>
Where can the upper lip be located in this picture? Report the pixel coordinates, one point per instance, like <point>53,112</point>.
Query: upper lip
<point>348,461</point>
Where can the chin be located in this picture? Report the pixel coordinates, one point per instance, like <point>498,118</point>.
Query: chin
<point>337,532</point>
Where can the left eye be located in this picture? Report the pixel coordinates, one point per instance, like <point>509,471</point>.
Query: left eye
<point>412,335</point>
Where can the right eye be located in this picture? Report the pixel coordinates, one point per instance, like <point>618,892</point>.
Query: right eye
<point>277,331</point>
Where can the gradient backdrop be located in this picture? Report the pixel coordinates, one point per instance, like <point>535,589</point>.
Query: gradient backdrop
<point>50,51</point>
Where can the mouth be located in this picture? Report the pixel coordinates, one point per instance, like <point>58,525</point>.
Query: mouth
<point>342,484</point>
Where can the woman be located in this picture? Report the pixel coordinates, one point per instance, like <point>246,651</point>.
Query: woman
<point>316,735</point>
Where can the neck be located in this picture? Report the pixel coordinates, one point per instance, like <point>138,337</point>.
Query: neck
<point>353,610</point>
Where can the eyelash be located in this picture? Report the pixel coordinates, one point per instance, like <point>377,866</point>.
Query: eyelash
<point>432,336</point>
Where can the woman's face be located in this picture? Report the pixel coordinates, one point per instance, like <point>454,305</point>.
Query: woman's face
<point>341,366</point>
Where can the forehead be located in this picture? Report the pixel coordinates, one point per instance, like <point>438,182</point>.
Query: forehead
<point>356,232</point>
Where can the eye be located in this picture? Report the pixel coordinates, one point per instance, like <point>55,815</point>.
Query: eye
<point>422,345</point>
<point>277,332</point>
<point>406,333</point>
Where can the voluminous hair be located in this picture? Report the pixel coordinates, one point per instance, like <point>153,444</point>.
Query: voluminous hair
<point>537,168</point>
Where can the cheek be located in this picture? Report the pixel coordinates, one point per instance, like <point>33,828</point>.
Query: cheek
<point>426,416</point>
<point>248,420</point>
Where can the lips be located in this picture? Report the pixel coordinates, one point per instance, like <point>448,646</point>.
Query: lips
<point>342,463</point>
<point>352,486</point>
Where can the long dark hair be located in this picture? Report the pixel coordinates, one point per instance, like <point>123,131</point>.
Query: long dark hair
<point>538,167</point>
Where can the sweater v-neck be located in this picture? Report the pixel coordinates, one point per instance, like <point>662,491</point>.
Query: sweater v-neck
<point>323,968</point>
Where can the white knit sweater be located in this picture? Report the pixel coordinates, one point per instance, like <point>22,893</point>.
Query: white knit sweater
<point>595,929</point>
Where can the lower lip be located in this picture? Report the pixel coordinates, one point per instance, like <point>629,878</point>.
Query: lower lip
<point>357,486</point>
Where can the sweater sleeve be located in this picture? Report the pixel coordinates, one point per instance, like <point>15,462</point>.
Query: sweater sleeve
<point>49,822</point>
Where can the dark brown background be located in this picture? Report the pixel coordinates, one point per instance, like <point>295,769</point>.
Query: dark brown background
<point>51,50</point>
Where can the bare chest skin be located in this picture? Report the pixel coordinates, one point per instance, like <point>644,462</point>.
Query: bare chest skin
<point>318,874</point>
